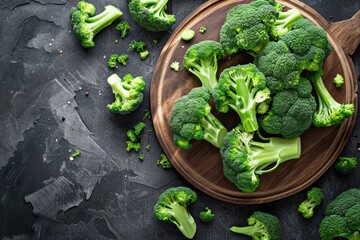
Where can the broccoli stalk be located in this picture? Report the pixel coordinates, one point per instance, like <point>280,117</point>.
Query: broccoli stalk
<point>314,198</point>
<point>329,112</point>
<point>86,26</point>
<point>284,23</point>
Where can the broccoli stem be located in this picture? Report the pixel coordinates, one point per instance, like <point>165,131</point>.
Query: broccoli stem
<point>287,19</point>
<point>206,72</point>
<point>117,86</point>
<point>183,220</point>
<point>104,19</point>
<point>326,101</point>
<point>214,130</point>
<point>254,231</point>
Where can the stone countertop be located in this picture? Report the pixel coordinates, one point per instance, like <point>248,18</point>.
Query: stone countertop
<point>53,95</point>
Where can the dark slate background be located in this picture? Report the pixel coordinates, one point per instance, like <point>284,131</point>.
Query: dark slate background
<point>106,193</point>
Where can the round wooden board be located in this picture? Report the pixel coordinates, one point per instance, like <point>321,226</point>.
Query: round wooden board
<point>202,164</point>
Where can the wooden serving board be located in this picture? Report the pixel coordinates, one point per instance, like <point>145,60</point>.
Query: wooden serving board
<point>202,164</point>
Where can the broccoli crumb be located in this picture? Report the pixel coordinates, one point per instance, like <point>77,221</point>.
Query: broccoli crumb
<point>122,59</point>
<point>134,133</point>
<point>144,54</point>
<point>175,66</point>
<point>155,41</point>
<point>164,162</point>
<point>202,30</point>
<point>148,147</point>
<point>141,156</point>
<point>187,34</point>
<point>116,41</point>
<point>123,28</point>
<point>75,154</point>
<point>338,81</point>
<point>147,114</point>
<point>207,215</point>
<point>132,145</point>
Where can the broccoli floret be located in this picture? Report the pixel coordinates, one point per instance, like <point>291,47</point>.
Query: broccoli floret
<point>137,46</point>
<point>144,54</point>
<point>164,162</point>
<point>134,133</point>
<point>291,112</point>
<point>147,114</point>
<point>244,159</point>
<point>148,147</point>
<point>346,165</point>
<point>314,198</point>
<point>175,66</point>
<point>329,112</point>
<point>262,226</point>
<point>207,215</point>
<point>172,206</point>
<point>76,153</point>
<point>128,93</point>
<point>284,23</point>
<point>122,59</point>
<point>338,80</point>
<point>202,30</point>
<point>155,41</point>
<point>141,156</point>
<point>242,88</point>
<point>201,59</point>
<point>151,14</point>
<point>86,25</point>
<point>132,145</point>
<point>112,61</point>
<point>123,28</point>
<point>191,118</point>
<point>342,217</point>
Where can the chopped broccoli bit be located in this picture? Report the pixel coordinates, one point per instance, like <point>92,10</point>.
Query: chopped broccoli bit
<point>338,80</point>
<point>132,145</point>
<point>147,114</point>
<point>202,30</point>
<point>112,61</point>
<point>314,198</point>
<point>144,54</point>
<point>148,147</point>
<point>187,34</point>
<point>346,165</point>
<point>207,215</point>
<point>155,41</point>
<point>164,162</point>
<point>175,66</point>
<point>134,133</point>
<point>137,46</point>
<point>123,28</point>
<point>122,59</point>
<point>141,156</point>
<point>116,41</point>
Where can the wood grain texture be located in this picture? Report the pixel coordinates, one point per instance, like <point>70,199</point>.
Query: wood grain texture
<point>202,165</point>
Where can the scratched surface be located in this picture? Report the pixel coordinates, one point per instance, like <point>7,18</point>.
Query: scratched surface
<point>106,193</point>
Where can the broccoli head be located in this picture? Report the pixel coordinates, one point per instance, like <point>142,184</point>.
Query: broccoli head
<point>191,118</point>
<point>123,28</point>
<point>151,15</point>
<point>342,217</point>
<point>128,93</point>
<point>262,226</point>
<point>201,59</point>
<point>244,159</point>
<point>346,165</point>
<point>314,197</point>
<point>291,112</point>
<point>242,88</point>
<point>86,25</point>
<point>172,206</point>
<point>207,215</point>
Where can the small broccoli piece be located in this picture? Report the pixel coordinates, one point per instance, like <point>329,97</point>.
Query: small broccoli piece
<point>346,165</point>
<point>123,28</point>
<point>202,30</point>
<point>207,215</point>
<point>155,41</point>
<point>135,132</point>
<point>314,197</point>
<point>175,66</point>
<point>172,206</point>
<point>201,59</point>
<point>132,145</point>
<point>141,156</point>
<point>147,114</point>
<point>242,88</point>
<point>122,59</point>
<point>284,23</point>
<point>342,217</point>
<point>244,159</point>
<point>144,54</point>
<point>187,34</point>
<point>86,25</point>
<point>262,226</point>
<point>151,15</point>
<point>148,147</point>
<point>191,118</point>
<point>76,153</point>
<point>112,61</point>
<point>338,80</point>
<point>329,112</point>
<point>137,46</point>
<point>128,93</point>
<point>116,41</point>
<point>164,162</point>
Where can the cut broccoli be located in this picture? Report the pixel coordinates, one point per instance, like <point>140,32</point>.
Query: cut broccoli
<point>346,165</point>
<point>122,59</point>
<point>141,156</point>
<point>172,206</point>
<point>123,28</point>
<point>284,23</point>
<point>151,15</point>
<point>207,215</point>
<point>164,162</point>
<point>191,118</point>
<point>244,159</point>
<point>135,132</point>
<point>187,34</point>
<point>76,153</point>
<point>144,54</point>
<point>175,66</point>
<point>140,47</point>
<point>262,226</point>
<point>128,93</point>
<point>132,145</point>
<point>338,80</point>
<point>155,41</point>
<point>86,25</point>
<point>314,198</point>
<point>242,88</point>
<point>112,61</point>
<point>147,114</point>
<point>202,30</point>
<point>148,147</point>
<point>201,59</point>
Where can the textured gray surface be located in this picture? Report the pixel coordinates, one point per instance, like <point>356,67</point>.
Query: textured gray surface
<point>106,193</point>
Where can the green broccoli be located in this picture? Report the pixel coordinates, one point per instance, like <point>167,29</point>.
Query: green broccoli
<point>172,206</point>
<point>128,93</point>
<point>147,114</point>
<point>187,34</point>
<point>338,80</point>
<point>346,165</point>
<point>314,197</point>
<point>262,226</point>
<point>244,159</point>
<point>284,23</point>
<point>122,59</point>
<point>140,47</point>
<point>201,59</point>
<point>175,66</point>
<point>241,88</point>
<point>76,153</point>
<point>202,30</point>
<point>291,112</point>
<point>342,217</point>
<point>151,15</point>
<point>135,132</point>
<point>144,54</point>
<point>329,112</point>
<point>123,28</point>
<point>191,118</point>
<point>86,25</point>
<point>132,145</point>
<point>164,162</point>
<point>112,61</point>
<point>207,215</point>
